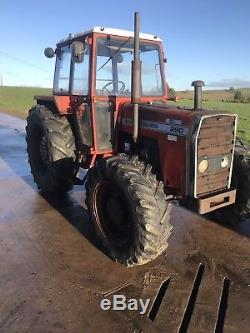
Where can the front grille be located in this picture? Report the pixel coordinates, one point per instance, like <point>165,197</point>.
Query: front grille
<point>215,139</point>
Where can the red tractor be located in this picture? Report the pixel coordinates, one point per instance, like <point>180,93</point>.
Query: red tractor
<point>142,154</point>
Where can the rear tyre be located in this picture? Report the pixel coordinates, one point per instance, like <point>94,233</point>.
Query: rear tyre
<point>50,148</point>
<point>129,209</point>
<point>240,210</point>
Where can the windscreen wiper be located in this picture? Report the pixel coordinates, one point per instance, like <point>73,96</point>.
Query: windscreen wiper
<point>111,57</point>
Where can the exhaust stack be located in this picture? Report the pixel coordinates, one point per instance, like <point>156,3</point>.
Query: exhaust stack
<point>198,93</point>
<point>136,76</point>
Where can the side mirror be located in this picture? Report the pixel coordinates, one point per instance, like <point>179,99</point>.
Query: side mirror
<point>78,49</point>
<point>49,52</point>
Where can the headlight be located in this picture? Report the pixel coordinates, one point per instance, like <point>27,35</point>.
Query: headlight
<point>224,162</point>
<point>203,166</point>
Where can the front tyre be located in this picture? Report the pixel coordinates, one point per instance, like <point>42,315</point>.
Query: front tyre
<point>241,181</point>
<point>129,209</point>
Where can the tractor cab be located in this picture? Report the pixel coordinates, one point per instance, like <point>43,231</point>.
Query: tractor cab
<point>93,78</point>
<point>98,63</point>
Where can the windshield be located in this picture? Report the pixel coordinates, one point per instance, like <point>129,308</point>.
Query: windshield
<point>113,67</point>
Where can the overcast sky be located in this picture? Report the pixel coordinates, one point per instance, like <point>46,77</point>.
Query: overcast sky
<point>208,40</point>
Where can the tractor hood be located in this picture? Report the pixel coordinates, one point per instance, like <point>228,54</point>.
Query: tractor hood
<point>164,118</point>
<point>183,138</point>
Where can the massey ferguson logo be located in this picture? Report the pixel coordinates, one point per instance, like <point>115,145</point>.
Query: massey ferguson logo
<point>174,129</point>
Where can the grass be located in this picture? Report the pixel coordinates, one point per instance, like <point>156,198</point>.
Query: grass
<point>18,100</point>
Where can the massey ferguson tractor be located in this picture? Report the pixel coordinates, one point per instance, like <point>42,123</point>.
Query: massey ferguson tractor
<point>109,114</point>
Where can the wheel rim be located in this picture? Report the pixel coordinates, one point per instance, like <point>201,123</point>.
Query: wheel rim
<point>112,214</point>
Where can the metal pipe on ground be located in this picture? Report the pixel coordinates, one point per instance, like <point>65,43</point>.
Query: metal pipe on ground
<point>136,76</point>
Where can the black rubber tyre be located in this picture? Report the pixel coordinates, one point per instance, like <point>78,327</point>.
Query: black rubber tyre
<point>241,182</point>
<point>50,148</point>
<point>129,209</point>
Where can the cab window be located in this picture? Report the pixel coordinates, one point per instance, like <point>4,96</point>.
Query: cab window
<point>80,80</point>
<point>62,71</point>
<point>113,67</point>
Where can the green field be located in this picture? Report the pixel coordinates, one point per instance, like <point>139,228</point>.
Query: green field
<point>18,100</point>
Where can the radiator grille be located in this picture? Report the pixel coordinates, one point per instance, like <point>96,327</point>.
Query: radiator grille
<point>215,139</point>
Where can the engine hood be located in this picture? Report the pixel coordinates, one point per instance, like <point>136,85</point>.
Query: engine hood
<point>165,118</point>
<point>175,132</point>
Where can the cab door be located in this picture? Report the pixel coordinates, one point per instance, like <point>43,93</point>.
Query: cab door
<point>79,92</point>
<point>104,87</point>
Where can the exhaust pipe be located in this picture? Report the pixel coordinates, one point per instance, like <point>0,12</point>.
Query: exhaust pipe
<point>136,76</point>
<point>198,93</point>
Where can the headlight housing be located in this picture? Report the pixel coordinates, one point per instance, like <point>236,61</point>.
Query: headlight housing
<point>224,161</point>
<point>203,166</point>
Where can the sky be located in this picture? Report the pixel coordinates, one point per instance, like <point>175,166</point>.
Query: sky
<point>207,40</point>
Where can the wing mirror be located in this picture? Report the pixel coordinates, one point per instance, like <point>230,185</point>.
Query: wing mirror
<point>78,49</point>
<point>49,52</point>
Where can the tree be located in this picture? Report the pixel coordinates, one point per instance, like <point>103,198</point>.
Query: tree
<point>238,96</point>
<point>232,89</point>
<point>171,93</point>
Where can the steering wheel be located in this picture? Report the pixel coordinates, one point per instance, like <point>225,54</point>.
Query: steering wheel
<point>105,89</point>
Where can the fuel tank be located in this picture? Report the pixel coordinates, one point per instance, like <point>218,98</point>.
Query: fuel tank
<point>185,137</point>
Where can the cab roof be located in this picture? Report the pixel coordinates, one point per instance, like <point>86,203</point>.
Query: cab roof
<point>110,31</point>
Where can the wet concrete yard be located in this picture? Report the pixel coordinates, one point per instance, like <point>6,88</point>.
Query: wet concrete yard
<point>54,273</point>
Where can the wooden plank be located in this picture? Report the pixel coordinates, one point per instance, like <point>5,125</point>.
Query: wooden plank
<point>210,187</point>
<point>176,302</point>
<point>236,309</point>
<point>220,139</point>
<point>225,120</point>
<point>215,150</point>
<point>213,178</point>
<point>205,313</point>
<point>214,131</point>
